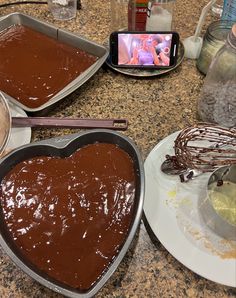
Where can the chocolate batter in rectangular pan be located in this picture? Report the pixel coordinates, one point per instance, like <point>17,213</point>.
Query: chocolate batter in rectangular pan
<point>103,226</point>
<point>41,64</point>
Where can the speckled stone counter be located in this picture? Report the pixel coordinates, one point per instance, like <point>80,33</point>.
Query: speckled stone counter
<point>155,107</point>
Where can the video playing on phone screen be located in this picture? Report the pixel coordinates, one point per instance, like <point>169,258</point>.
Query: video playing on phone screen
<point>144,49</point>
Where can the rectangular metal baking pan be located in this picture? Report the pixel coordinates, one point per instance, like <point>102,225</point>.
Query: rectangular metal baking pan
<point>63,36</point>
<point>65,146</point>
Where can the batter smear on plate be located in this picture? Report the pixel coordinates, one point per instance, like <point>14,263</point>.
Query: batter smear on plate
<point>34,67</point>
<point>70,216</point>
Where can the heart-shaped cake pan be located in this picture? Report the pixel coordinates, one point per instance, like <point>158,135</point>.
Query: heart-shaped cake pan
<point>64,147</point>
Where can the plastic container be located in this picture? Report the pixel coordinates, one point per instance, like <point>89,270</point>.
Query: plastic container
<point>63,10</point>
<point>229,10</point>
<point>217,101</point>
<point>160,15</point>
<point>214,38</point>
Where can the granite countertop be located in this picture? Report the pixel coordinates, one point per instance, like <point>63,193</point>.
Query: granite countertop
<point>155,108</point>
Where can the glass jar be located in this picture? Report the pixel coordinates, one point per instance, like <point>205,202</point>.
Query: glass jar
<point>217,101</point>
<point>213,40</point>
<point>217,8</point>
<point>128,15</point>
<point>119,15</point>
<point>160,15</point>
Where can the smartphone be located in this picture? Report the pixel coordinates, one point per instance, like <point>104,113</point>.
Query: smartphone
<point>147,49</point>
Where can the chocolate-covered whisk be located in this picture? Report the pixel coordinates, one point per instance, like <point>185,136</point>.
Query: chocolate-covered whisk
<point>206,147</point>
<point>202,147</point>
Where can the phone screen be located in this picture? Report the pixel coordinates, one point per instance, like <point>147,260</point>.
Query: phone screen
<point>150,49</point>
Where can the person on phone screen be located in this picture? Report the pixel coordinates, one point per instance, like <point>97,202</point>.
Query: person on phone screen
<point>162,46</point>
<point>144,54</point>
<point>165,60</point>
<point>124,55</point>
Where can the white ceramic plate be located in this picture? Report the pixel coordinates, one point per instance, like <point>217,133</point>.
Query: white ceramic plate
<point>20,135</point>
<point>173,212</point>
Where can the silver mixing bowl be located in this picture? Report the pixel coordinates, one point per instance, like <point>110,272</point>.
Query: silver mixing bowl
<point>5,123</point>
<point>219,207</point>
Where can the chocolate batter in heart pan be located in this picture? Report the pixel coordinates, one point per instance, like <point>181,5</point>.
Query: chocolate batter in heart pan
<point>70,216</point>
<point>34,67</point>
